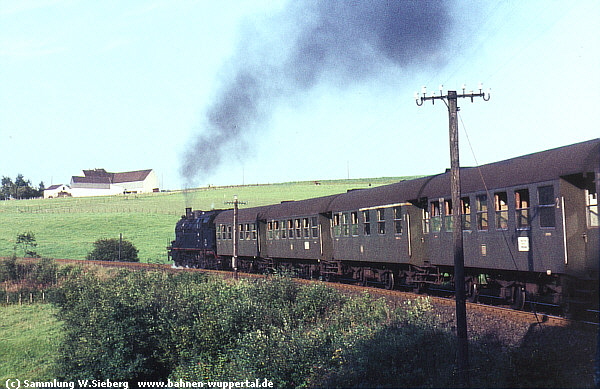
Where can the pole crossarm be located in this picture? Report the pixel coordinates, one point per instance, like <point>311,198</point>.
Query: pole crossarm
<point>420,99</point>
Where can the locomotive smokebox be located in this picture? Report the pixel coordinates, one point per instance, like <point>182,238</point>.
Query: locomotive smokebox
<point>188,213</point>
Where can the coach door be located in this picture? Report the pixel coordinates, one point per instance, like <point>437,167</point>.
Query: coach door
<point>325,239</point>
<point>592,235</point>
<point>415,249</point>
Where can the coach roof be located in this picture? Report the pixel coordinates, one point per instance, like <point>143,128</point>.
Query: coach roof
<point>245,215</point>
<point>537,167</point>
<point>300,208</point>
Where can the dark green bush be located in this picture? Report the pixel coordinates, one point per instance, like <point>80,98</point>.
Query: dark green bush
<point>113,250</point>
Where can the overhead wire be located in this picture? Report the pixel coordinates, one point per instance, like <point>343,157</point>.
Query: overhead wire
<point>489,196</point>
<point>486,188</point>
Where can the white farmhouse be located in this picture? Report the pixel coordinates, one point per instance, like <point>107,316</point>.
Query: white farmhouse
<point>99,182</point>
<point>60,190</point>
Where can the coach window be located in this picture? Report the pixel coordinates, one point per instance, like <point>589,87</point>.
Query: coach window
<point>426,222</point>
<point>306,227</point>
<point>381,221</point>
<point>592,207</point>
<point>315,226</point>
<point>482,212</point>
<point>298,227</point>
<point>241,231</point>
<point>270,230</point>
<point>229,232</point>
<point>354,223</point>
<point>501,204</point>
<point>522,208</point>
<point>253,229</point>
<point>345,224</point>
<point>465,210</point>
<point>278,226</point>
<point>435,216</point>
<point>290,228</point>
<point>448,219</point>
<point>366,223</point>
<point>337,224</point>
<point>284,229</point>
<point>546,206</point>
<point>398,220</point>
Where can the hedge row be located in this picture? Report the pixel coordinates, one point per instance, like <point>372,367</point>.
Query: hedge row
<point>155,325</point>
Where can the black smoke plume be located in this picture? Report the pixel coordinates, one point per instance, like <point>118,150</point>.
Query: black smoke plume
<point>311,42</point>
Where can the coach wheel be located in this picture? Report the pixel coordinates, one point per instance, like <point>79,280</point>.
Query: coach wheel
<point>473,295</point>
<point>363,279</point>
<point>518,298</point>
<point>388,280</point>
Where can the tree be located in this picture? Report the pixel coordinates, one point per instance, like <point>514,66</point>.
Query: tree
<point>41,189</point>
<point>113,250</point>
<point>20,188</point>
<point>26,242</point>
<point>7,187</point>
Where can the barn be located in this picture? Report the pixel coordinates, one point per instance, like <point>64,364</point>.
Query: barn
<point>99,182</point>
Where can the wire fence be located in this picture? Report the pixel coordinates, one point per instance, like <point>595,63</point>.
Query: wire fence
<point>23,297</point>
<point>97,210</point>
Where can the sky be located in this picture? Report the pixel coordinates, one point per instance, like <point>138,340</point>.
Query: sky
<point>262,91</point>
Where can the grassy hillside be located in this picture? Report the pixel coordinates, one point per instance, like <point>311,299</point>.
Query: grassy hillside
<point>29,338</point>
<point>66,228</point>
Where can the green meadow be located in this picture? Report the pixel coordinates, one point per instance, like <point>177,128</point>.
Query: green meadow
<point>29,338</point>
<point>67,227</point>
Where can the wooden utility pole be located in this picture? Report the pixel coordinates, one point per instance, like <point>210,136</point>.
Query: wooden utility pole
<point>236,235</point>
<point>462,354</point>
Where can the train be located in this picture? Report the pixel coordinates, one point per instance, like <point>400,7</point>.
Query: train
<point>529,227</point>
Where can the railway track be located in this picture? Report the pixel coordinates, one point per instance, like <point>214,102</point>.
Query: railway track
<point>543,319</point>
<point>496,311</point>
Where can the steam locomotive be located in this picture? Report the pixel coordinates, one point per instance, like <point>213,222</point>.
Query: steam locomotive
<point>530,232</point>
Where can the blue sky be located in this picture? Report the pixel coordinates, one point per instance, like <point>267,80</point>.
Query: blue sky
<point>128,85</point>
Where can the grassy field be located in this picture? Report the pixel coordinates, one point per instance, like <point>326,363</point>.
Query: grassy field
<point>66,228</point>
<point>29,337</point>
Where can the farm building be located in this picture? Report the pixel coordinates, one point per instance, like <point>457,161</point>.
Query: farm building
<point>99,182</point>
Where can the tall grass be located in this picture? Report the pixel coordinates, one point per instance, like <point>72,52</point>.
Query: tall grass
<point>66,228</point>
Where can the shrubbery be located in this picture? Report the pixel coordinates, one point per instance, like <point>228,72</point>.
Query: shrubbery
<point>152,325</point>
<point>41,273</point>
<point>113,250</point>
<point>148,325</point>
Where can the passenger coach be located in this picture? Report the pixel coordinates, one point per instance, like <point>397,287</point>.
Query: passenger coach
<point>529,224</point>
